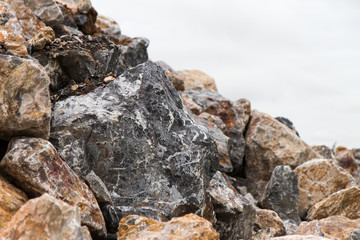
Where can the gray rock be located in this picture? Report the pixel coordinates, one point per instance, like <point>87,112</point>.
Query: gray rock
<point>282,196</point>
<point>287,123</point>
<point>324,151</point>
<point>234,213</point>
<point>135,135</point>
<point>98,188</point>
<point>243,110</point>
<point>356,152</point>
<point>47,10</point>
<point>4,13</point>
<point>355,235</point>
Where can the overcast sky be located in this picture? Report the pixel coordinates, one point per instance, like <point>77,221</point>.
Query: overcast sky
<point>294,58</point>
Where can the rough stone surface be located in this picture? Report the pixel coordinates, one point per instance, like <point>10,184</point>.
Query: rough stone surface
<point>11,42</point>
<point>97,186</point>
<point>355,235</point>
<point>235,215</point>
<point>45,36</point>
<point>45,218</point>
<point>344,202</point>
<point>188,227</point>
<point>282,194</point>
<point>334,227</point>
<point>35,165</point>
<point>270,143</point>
<point>76,4</point>
<point>4,13</point>
<point>347,161</point>
<point>135,131</point>
<point>300,237</point>
<point>86,21</point>
<point>288,123</point>
<point>268,219</point>
<point>25,100</point>
<point>11,199</point>
<point>318,179</point>
<point>243,110</point>
<point>324,151</point>
<point>47,10</point>
<point>356,153</point>
<point>109,27</point>
<point>196,80</point>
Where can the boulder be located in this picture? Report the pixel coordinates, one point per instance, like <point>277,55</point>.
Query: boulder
<point>270,143</point>
<point>188,227</point>
<point>355,235</point>
<point>324,151</point>
<point>235,215</point>
<point>242,107</point>
<point>318,179</point>
<point>268,219</point>
<point>45,218</point>
<point>11,42</point>
<point>135,130</point>
<point>25,99</point>
<point>11,199</point>
<point>47,10</point>
<point>37,168</point>
<point>334,227</point>
<point>345,202</point>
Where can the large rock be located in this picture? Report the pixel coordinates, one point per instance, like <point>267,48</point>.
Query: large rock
<point>36,166</point>
<point>11,42</point>
<point>282,195</point>
<point>45,218</point>
<point>334,227</point>
<point>25,100</point>
<point>188,227</point>
<point>267,220</point>
<point>47,10</point>
<point>344,202</point>
<point>11,199</point>
<point>318,179</point>
<point>234,213</point>
<point>135,135</point>
<point>270,143</point>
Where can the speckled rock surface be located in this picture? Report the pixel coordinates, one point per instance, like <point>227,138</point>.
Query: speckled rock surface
<point>12,42</point>
<point>45,36</point>
<point>268,219</point>
<point>47,10</point>
<point>346,160</point>
<point>36,166</point>
<point>196,80</point>
<point>45,218</point>
<point>25,100</point>
<point>242,107</point>
<point>324,151</point>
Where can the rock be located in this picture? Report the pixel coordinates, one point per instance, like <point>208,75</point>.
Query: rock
<point>45,218</point>
<point>188,227</point>
<point>356,153</point>
<point>25,100</point>
<point>86,22</point>
<point>243,110</point>
<point>282,195</point>
<point>344,202</point>
<point>47,10</point>
<point>109,27</point>
<point>133,51</point>
<point>270,143</point>
<point>287,123</point>
<point>196,80</point>
<point>98,188</point>
<point>355,235</point>
<point>4,13</point>
<point>347,161</point>
<point>35,165</point>
<point>11,199</point>
<point>61,30</point>
<point>318,179</point>
<point>135,130</point>
<point>235,215</point>
<point>299,237</point>
<point>268,219</point>
<point>45,36</point>
<point>324,151</point>
<point>11,42</point>
<point>173,76</point>
<point>76,5</point>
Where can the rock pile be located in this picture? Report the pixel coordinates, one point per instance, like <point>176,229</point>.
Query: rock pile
<point>99,142</point>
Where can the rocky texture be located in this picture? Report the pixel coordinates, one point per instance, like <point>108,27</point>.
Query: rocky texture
<point>47,10</point>
<point>97,186</point>
<point>45,36</point>
<point>24,96</point>
<point>243,109</point>
<point>45,218</point>
<point>234,213</point>
<point>188,227</point>
<point>76,4</point>
<point>11,199</point>
<point>355,235</point>
<point>4,13</point>
<point>11,42</point>
<point>282,195</point>
<point>344,202</point>
<point>318,179</point>
<point>36,166</point>
<point>324,151</point>
<point>334,227</point>
<point>109,27</point>
<point>270,143</point>
<point>300,237</point>
<point>196,80</point>
<point>288,123</point>
<point>347,161</point>
<point>268,219</point>
<point>135,131</point>
<point>356,153</point>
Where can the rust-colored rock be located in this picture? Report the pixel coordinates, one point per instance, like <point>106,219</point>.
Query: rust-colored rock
<point>11,199</point>
<point>346,160</point>
<point>11,42</point>
<point>344,202</point>
<point>25,108</point>
<point>36,166</point>
<point>45,36</point>
<point>196,80</point>
<point>188,227</point>
<point>318,179</point>
<point>334,227</point>
<point>266,219</point>
<point>300,237</point>
<point>45,218</point>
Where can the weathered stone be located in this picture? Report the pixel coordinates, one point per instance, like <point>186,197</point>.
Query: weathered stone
<point>61,30</point>
<point>11,42</point>
<point>25,99</point>
<point>86,22</point>
<point>35,165</point>
<point>270,143</point>
<point>287,123</point>
<point>300,237</point>
<point>45,218</point>
<point>133,51</point>
<point>334,227</point>
<point>45,36</point>
<point>188,227</point>
<point>318,179</point>
<point>282,195</point>
<point>47,10</point>
<point>196,80</point>
<point>344,202</point>
<point>355,235</point>
<point>356,153</point>
<point>76,5</point>
<point>98,188</point>
<point>4,13</point>
<point>243,110</point>
<point>266,219</point>
<point>324,151</point>
<point>177,82</point>
<point>346,160</point>
<point>135,131</point>
<point>235,215</point>
<point>109,27</point>
<point>11,199</point>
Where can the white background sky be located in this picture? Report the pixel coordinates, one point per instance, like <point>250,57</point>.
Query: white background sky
<point>294,58</point>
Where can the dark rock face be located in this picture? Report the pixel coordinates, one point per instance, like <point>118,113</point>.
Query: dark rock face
<point>287,123</point>
<point>355,235</point>
<point>282,194</point>
<point>135,135</point>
